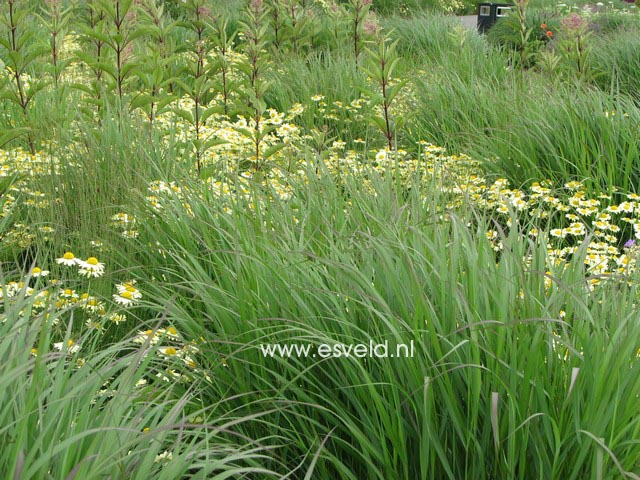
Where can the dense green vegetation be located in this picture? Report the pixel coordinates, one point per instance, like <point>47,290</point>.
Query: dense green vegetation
<point>185,183</point>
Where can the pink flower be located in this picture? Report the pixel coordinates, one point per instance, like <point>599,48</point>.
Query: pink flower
<point>370,27</point>
<point>573,22</point>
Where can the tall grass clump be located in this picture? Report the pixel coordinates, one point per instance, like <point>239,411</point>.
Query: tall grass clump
<point>512,358</point>
<point>428,40</point>
<point>616,59</point>
<point>527,130</point>
<point>85,410</point>
<point>323,80</point>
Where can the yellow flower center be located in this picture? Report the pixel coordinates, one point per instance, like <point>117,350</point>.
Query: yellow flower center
<point>126,294</point>
<point>68,291</point>
<point>130,288</point>
<point>68,256</point>
<point>92,261</point>
<point>172,331</point>
<point>70,342</point>
<point>36,270</point>
<point>170,351</point>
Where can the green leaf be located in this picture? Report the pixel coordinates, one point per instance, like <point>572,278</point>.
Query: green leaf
<point>12,134</point>
<point>142,101</point>
<point>184,114</point>
<point>214,142</point>
<point>244,131</point>
<point>207,113</point>
<point>379,122</point>
<point>269,152</point>
<point>107,68</point>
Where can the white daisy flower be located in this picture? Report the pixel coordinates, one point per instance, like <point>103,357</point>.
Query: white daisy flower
<point>125,298</point>
<point>68,259</point>
<point>70,346</point>
<point>117,318</point>
<point>38,272</point>
<point>168,351</point>
<point>91,267</point>
<point>129,287</point>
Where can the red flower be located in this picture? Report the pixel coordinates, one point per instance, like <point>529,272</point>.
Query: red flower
<point>549,33</point>
<point>543,26</point>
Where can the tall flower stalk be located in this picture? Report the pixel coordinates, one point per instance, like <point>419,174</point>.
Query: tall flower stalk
<point>223,44</point>
<point>382,65</point>
<point>56,18</point>
<point>111,28</point>
<point>154,73</point>
<point>255,30</point>
<point>22,55</point>
<point>359,10</point>
<point>123,16</point>
<point>524,32</point>
<point>574,44</point>
<point>197,75</point>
